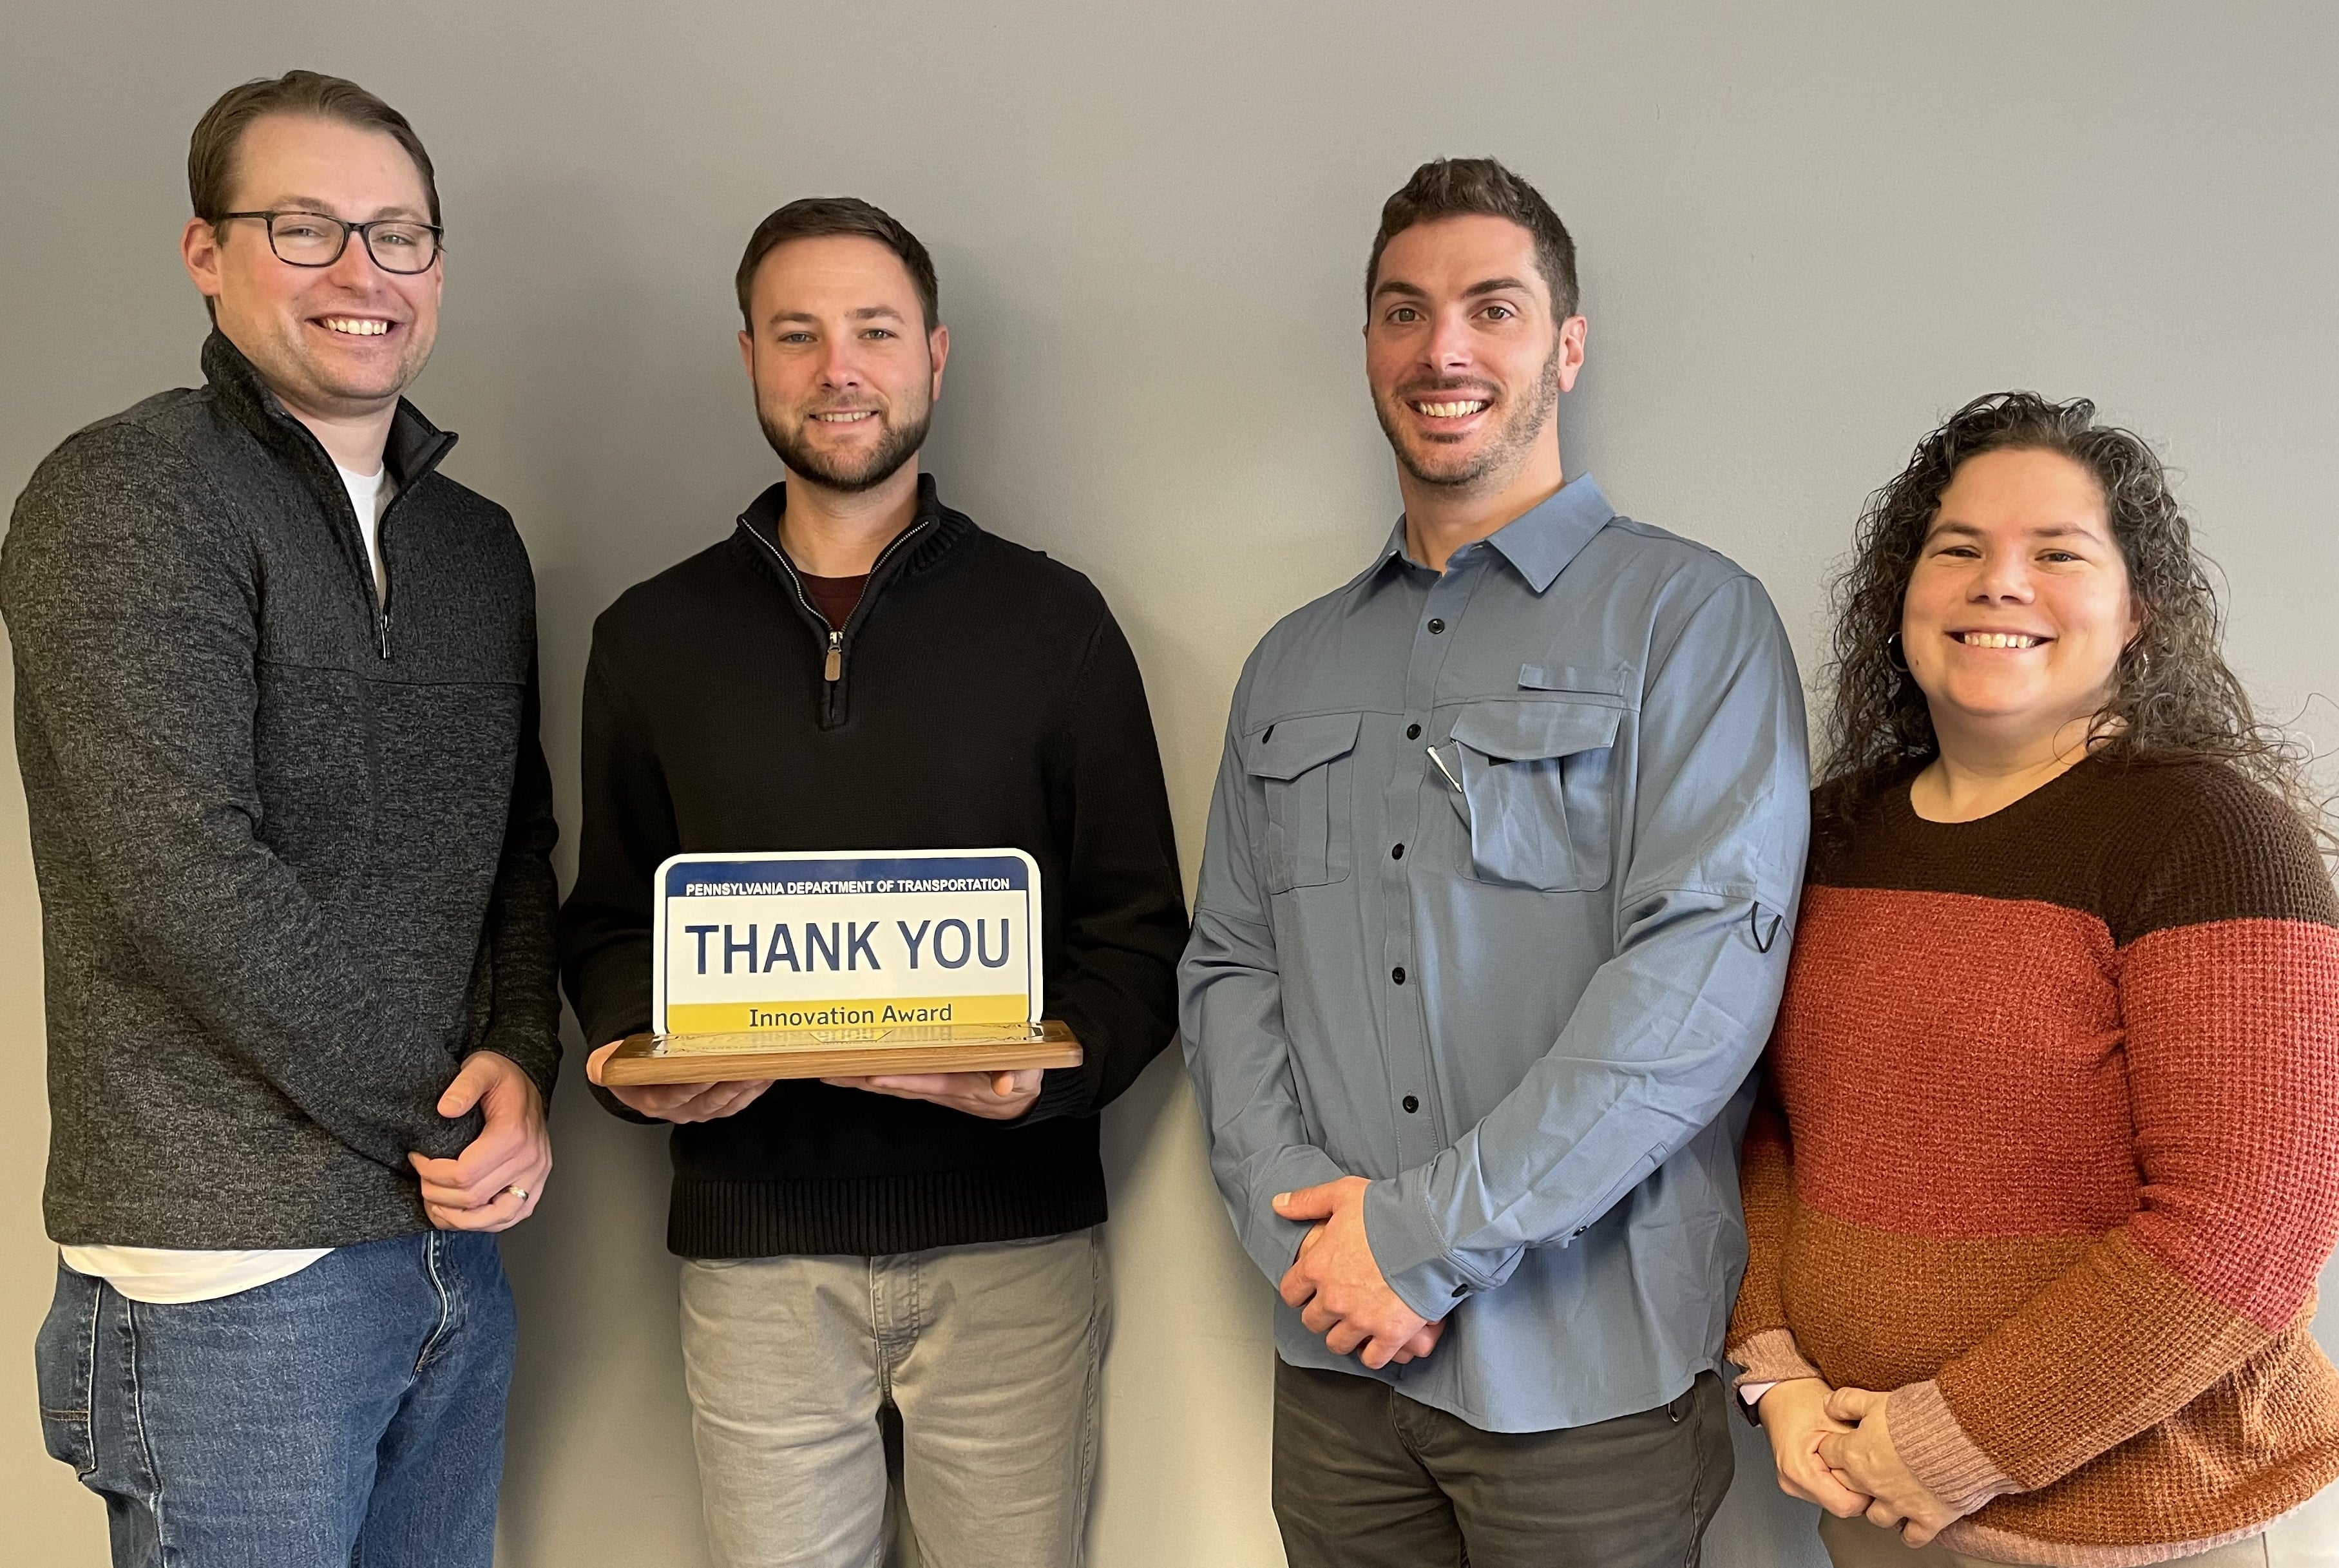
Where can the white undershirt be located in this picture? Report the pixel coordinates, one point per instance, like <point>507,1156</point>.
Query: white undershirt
<point>370,497</point>
<point>170,1274</point>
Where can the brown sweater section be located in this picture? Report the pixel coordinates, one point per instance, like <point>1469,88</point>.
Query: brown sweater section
<point>2049,1150</point>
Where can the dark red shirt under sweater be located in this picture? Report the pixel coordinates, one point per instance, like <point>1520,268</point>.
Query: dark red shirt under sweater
<point>833,597</point>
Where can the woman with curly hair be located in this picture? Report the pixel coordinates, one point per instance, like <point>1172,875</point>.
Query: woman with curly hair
<point>2047,1159</point>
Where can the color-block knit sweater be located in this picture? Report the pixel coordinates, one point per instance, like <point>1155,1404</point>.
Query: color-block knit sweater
<point>2049,1150</point>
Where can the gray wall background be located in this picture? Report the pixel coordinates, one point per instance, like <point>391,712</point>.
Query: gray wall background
<point>1807,231</point>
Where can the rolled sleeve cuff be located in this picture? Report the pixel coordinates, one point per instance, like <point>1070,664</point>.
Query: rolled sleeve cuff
<point>1770,1356</point>
<point>1063,1091</point>
<point>1937,1451</point>
<point>1273,1241</point>
<point>1413,1257</point>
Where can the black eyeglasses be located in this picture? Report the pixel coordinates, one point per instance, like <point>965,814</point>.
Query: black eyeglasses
<point>316,239</point>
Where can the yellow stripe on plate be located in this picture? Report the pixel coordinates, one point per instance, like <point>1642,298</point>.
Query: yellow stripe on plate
<point>735,1017</point>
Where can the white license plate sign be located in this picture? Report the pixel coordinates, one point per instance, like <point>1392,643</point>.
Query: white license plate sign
<point>814,942</point>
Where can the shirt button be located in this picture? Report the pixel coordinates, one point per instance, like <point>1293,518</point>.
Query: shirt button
<point>1411,1105</point>
<point>1460,1291</point>
<point>1582,1228</point>
<point>1413,732</point>
<point>1398,974</point>
<point>1398,853</point>
<point>1267,735</point>
<point>1435,627</point>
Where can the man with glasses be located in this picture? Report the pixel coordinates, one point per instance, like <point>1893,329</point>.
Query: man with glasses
<point>276,715</point>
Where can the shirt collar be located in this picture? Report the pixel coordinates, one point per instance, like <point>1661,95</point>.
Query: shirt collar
<point>1539,542</point>
<point>414,449</point>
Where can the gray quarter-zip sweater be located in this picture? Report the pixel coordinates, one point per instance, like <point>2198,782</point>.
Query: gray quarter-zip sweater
<point>291,841</point>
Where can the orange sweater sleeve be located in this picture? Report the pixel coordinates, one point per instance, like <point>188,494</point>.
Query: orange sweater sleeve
<point>1759,1339</point>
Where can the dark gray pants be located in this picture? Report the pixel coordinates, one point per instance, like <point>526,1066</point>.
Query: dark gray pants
<point>1366,1478</point>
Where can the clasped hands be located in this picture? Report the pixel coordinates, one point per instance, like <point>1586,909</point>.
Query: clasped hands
<point>499,1178</point>
<point>993,1096</point>
<point>1337,1285</point>
<point>1834,1447</point>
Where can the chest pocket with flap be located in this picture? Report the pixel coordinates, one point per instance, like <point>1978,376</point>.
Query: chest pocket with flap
<point>1304,765</point>
<point>1536,792</point>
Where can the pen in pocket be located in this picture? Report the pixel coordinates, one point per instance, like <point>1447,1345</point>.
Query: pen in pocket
<point>1442,767</point>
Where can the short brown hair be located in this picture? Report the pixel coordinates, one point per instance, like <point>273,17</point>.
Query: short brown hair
<point>818,217</point>
<point>1454,187</point>
<point>211,151</point>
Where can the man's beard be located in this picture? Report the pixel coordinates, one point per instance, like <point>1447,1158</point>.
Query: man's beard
<point>1520,430</point>
<point>899,444</point>
<point>285,361</point>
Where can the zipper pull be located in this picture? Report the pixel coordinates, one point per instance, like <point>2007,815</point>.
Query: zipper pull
<point>835,666</point>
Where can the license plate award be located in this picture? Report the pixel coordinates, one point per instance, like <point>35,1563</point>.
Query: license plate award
<point>819,965</point>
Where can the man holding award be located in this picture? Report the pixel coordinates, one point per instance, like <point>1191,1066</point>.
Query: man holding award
<point>859,669</point>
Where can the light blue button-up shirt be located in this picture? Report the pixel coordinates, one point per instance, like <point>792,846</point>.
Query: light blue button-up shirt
<point>1495,910</point>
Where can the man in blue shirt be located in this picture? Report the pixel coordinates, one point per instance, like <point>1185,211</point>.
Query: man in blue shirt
<point>1493,919</point>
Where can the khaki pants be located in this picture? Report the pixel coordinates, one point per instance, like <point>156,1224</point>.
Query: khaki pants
<point>1857,1543</point>
<point>989,1356</point>
<point>1367,1478</point>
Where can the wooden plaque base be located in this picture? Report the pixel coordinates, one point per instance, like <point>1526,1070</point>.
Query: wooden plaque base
<point>836,1053</point>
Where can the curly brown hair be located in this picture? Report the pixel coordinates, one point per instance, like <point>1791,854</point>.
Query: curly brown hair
<point>2172,698</point>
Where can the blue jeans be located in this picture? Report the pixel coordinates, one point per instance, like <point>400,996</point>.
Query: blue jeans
<point>351,1415</point>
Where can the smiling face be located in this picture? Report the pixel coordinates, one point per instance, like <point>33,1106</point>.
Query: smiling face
<point>340,342</point>
<point>1464,357</point>
<point>845,367</point>
<point>2018,606</point>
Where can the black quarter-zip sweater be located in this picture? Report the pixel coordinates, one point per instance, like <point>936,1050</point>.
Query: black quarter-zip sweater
<point>981,696</point>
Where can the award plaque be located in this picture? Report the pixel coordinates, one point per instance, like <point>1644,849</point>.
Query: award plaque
<point>821,965</point>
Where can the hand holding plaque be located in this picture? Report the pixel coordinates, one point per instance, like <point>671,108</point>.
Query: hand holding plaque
<point>844,965</point>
